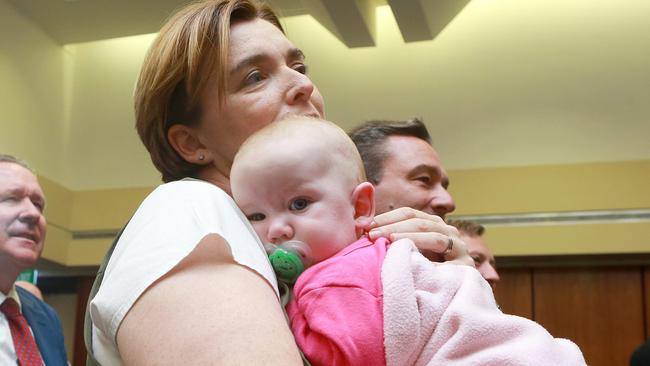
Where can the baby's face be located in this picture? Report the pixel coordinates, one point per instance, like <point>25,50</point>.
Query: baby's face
<point>297,198</point>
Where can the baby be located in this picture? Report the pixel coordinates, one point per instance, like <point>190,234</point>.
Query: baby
<point>363,302</point>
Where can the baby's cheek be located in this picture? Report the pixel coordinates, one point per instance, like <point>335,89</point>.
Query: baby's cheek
<point>260,231</point>
<point>325,249</point>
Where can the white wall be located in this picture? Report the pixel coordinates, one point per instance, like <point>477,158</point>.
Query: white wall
<point>507,83</point>
<point>104,149</point>
<point>32,105</point>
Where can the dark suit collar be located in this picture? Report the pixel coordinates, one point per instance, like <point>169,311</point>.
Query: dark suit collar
<point>31,309</point>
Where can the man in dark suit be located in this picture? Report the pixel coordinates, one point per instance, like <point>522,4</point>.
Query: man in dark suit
<point>30,330</point>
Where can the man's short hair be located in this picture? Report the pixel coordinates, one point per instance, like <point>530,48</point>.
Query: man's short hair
<point>370,137</point>
<point>6,158</point>
<point>469,228</point>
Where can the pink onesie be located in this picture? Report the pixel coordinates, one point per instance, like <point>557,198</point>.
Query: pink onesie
<point>385,304</point>
<point>336,312</point>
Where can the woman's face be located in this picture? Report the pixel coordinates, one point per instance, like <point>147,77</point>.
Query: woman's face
<point>265,82</point>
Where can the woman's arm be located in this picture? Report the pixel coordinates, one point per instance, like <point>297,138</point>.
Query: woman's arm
<point>207,310</point>
<point>430,234</point>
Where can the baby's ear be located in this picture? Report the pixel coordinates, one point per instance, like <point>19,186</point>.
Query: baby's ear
<point>363,199</point>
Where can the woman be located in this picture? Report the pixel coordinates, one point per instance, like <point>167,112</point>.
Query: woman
<point>189,282</point>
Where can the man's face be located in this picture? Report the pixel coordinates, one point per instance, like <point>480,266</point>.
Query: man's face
<point>413,177</point>
<point>22,224</point>
<point>483,258</point>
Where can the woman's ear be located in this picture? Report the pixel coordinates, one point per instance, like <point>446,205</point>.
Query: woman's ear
<point>363,199</point>
<point>183,139</point>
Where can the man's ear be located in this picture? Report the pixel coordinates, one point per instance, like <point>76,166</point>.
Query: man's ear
<point>184,140</point>
<point>363,199</point>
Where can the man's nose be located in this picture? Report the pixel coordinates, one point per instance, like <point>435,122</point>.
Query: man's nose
<point>442,203</point>
<point>489,273</point>
<point>30,213</point>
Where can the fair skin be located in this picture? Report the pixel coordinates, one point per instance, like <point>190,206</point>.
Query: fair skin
<point>413,177</point>
<point>22,224</point>
<point>483,258</point>
<point>414,180</point>
<point>266,82</point>
<point>270,84</point>
<point>303,201</point>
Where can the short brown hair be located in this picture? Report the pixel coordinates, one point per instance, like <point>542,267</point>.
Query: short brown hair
<point>190,52</point>
<point>469,228</point>
<point>371,136</point>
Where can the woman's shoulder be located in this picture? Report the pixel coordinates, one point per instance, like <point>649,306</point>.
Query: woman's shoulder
<point>187,194</point>
<point>187,188</point>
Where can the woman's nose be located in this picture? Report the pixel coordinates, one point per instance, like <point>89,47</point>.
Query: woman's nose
<point>301,88</point>
<point>280,232</point>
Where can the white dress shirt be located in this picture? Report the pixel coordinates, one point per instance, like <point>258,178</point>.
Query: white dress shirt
<point>7,351</point>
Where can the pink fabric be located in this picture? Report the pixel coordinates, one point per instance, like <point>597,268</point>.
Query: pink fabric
<point>445,314</point>
<point>336,312</point>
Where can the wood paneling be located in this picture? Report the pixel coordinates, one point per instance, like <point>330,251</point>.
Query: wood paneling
<point>600,309</point>
<point>514,292</point>
<point>84,285</point>
<point>646,281</point>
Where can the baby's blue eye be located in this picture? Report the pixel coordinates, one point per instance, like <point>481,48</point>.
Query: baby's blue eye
<point>298,204</point>
<point>256,217</point>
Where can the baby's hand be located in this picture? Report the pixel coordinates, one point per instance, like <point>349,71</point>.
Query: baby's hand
<point>434,238</point>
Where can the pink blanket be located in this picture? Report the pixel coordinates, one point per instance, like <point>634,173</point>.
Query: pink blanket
<point>445,314</point>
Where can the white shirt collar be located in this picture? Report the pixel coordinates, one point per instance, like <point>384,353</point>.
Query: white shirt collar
<point>12,294</point>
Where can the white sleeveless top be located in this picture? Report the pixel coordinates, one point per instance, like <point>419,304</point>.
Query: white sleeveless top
<point>167,226</point>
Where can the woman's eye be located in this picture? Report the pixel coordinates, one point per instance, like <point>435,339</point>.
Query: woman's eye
<point>253,78</point>
<point>298,204</point>
<point>256,217</point>
<point>301,68</point>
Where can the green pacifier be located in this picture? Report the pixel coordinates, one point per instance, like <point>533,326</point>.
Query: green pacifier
<point>289,259</point>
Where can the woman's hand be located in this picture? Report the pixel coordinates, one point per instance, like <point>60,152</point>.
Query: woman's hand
<point>430,234</point>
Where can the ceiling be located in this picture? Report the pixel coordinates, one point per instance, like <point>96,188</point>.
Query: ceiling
<point>351,21</point>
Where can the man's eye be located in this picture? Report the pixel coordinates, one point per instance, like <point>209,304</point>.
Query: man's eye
<point>9,199</point>
<point>40,206</point>
<point>256,217</point>
<point>424,179</point>
<point>298,204</point>
<point>301,68</point>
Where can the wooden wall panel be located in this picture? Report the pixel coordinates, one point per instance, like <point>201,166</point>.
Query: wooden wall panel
<point>600,309</point>
<point>646,281</point>
<point>84,285</point>
<point>514,292</point>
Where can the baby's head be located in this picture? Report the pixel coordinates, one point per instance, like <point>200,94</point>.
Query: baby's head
<point>303,179</point>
